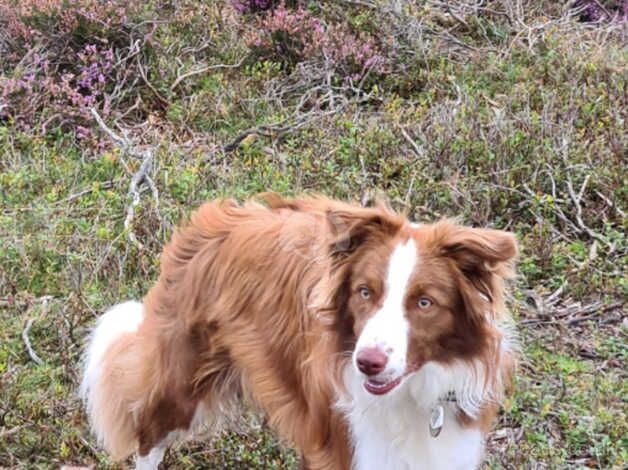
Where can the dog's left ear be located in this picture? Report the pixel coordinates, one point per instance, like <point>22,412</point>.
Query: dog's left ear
<point>485,257</point>
<point>475,248</point>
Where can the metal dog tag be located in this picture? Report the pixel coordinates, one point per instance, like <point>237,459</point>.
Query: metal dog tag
<point>437,419</point>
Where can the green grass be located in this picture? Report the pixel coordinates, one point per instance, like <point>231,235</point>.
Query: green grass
<point>499,135</point>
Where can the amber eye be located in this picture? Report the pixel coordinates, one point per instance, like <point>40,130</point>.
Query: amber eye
<point>365,293</point>
<point>424,303</point>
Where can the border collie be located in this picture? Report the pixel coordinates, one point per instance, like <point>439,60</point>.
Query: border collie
<point>368,342</point>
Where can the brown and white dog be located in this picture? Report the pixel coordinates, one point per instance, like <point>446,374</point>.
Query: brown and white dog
<point>367,341</point>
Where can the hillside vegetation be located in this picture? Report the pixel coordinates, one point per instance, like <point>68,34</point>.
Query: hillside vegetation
<point>118,118</point>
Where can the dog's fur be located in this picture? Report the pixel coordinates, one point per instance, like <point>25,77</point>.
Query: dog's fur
<point>265,304</point>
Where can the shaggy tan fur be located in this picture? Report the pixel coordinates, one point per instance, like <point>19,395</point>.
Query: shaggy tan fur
<point>253,304</point>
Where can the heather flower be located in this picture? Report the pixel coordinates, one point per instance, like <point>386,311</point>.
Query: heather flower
<point>289,36</point>
<point>60,77</point>
<point>595,11</point>
<point>65,15</point>
<point>252,6</point>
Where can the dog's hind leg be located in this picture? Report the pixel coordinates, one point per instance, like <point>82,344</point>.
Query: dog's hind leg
<point>108,408</point>
<point>177,417</point>
<point>132,405</point>
<point>152,460</point>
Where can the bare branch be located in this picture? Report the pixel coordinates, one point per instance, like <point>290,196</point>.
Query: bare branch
<point>27,342</point>
<point>149,84</point>
<point>141,176</point>
<point>610,203</point>
<point>180,78</point>
<point>122,142</point>
<point>280,128</point>
<point>417,150</point>
<point>72,197</point>
<point>7,432</point>
<point>576,199</point>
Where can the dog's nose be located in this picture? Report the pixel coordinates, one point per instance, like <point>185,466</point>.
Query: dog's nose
<point>371,361</point>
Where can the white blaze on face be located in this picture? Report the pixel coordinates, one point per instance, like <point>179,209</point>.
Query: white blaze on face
<point>388,329</point>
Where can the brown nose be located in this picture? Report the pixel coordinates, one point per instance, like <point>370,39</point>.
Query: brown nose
<point>371,361</point>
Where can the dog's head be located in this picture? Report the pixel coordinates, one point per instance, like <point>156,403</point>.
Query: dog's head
<point>418,296</point>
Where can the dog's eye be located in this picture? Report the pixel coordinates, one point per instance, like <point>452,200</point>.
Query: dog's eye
<point>365,293</point>
<point>424,303</point>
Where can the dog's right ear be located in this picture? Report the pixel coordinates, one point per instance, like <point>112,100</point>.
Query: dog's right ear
<point>350,227</point>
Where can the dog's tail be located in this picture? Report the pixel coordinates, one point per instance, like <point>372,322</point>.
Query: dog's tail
<point>114,378</point>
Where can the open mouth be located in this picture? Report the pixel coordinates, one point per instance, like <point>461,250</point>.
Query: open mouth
<point>381,387</point>
<point>378,387</point>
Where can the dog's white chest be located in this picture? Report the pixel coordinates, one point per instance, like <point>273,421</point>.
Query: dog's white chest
<point>400,443</point>
<point>393,433</point>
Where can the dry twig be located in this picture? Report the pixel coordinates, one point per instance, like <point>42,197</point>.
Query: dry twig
<point>207,68</point>
<point>142,175</point>
<point>7,432</point>
<point>552,310</point>
<point>149,84</point>
<point>72,197</point>
<point>420,152</point>
<point>27,342</point>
